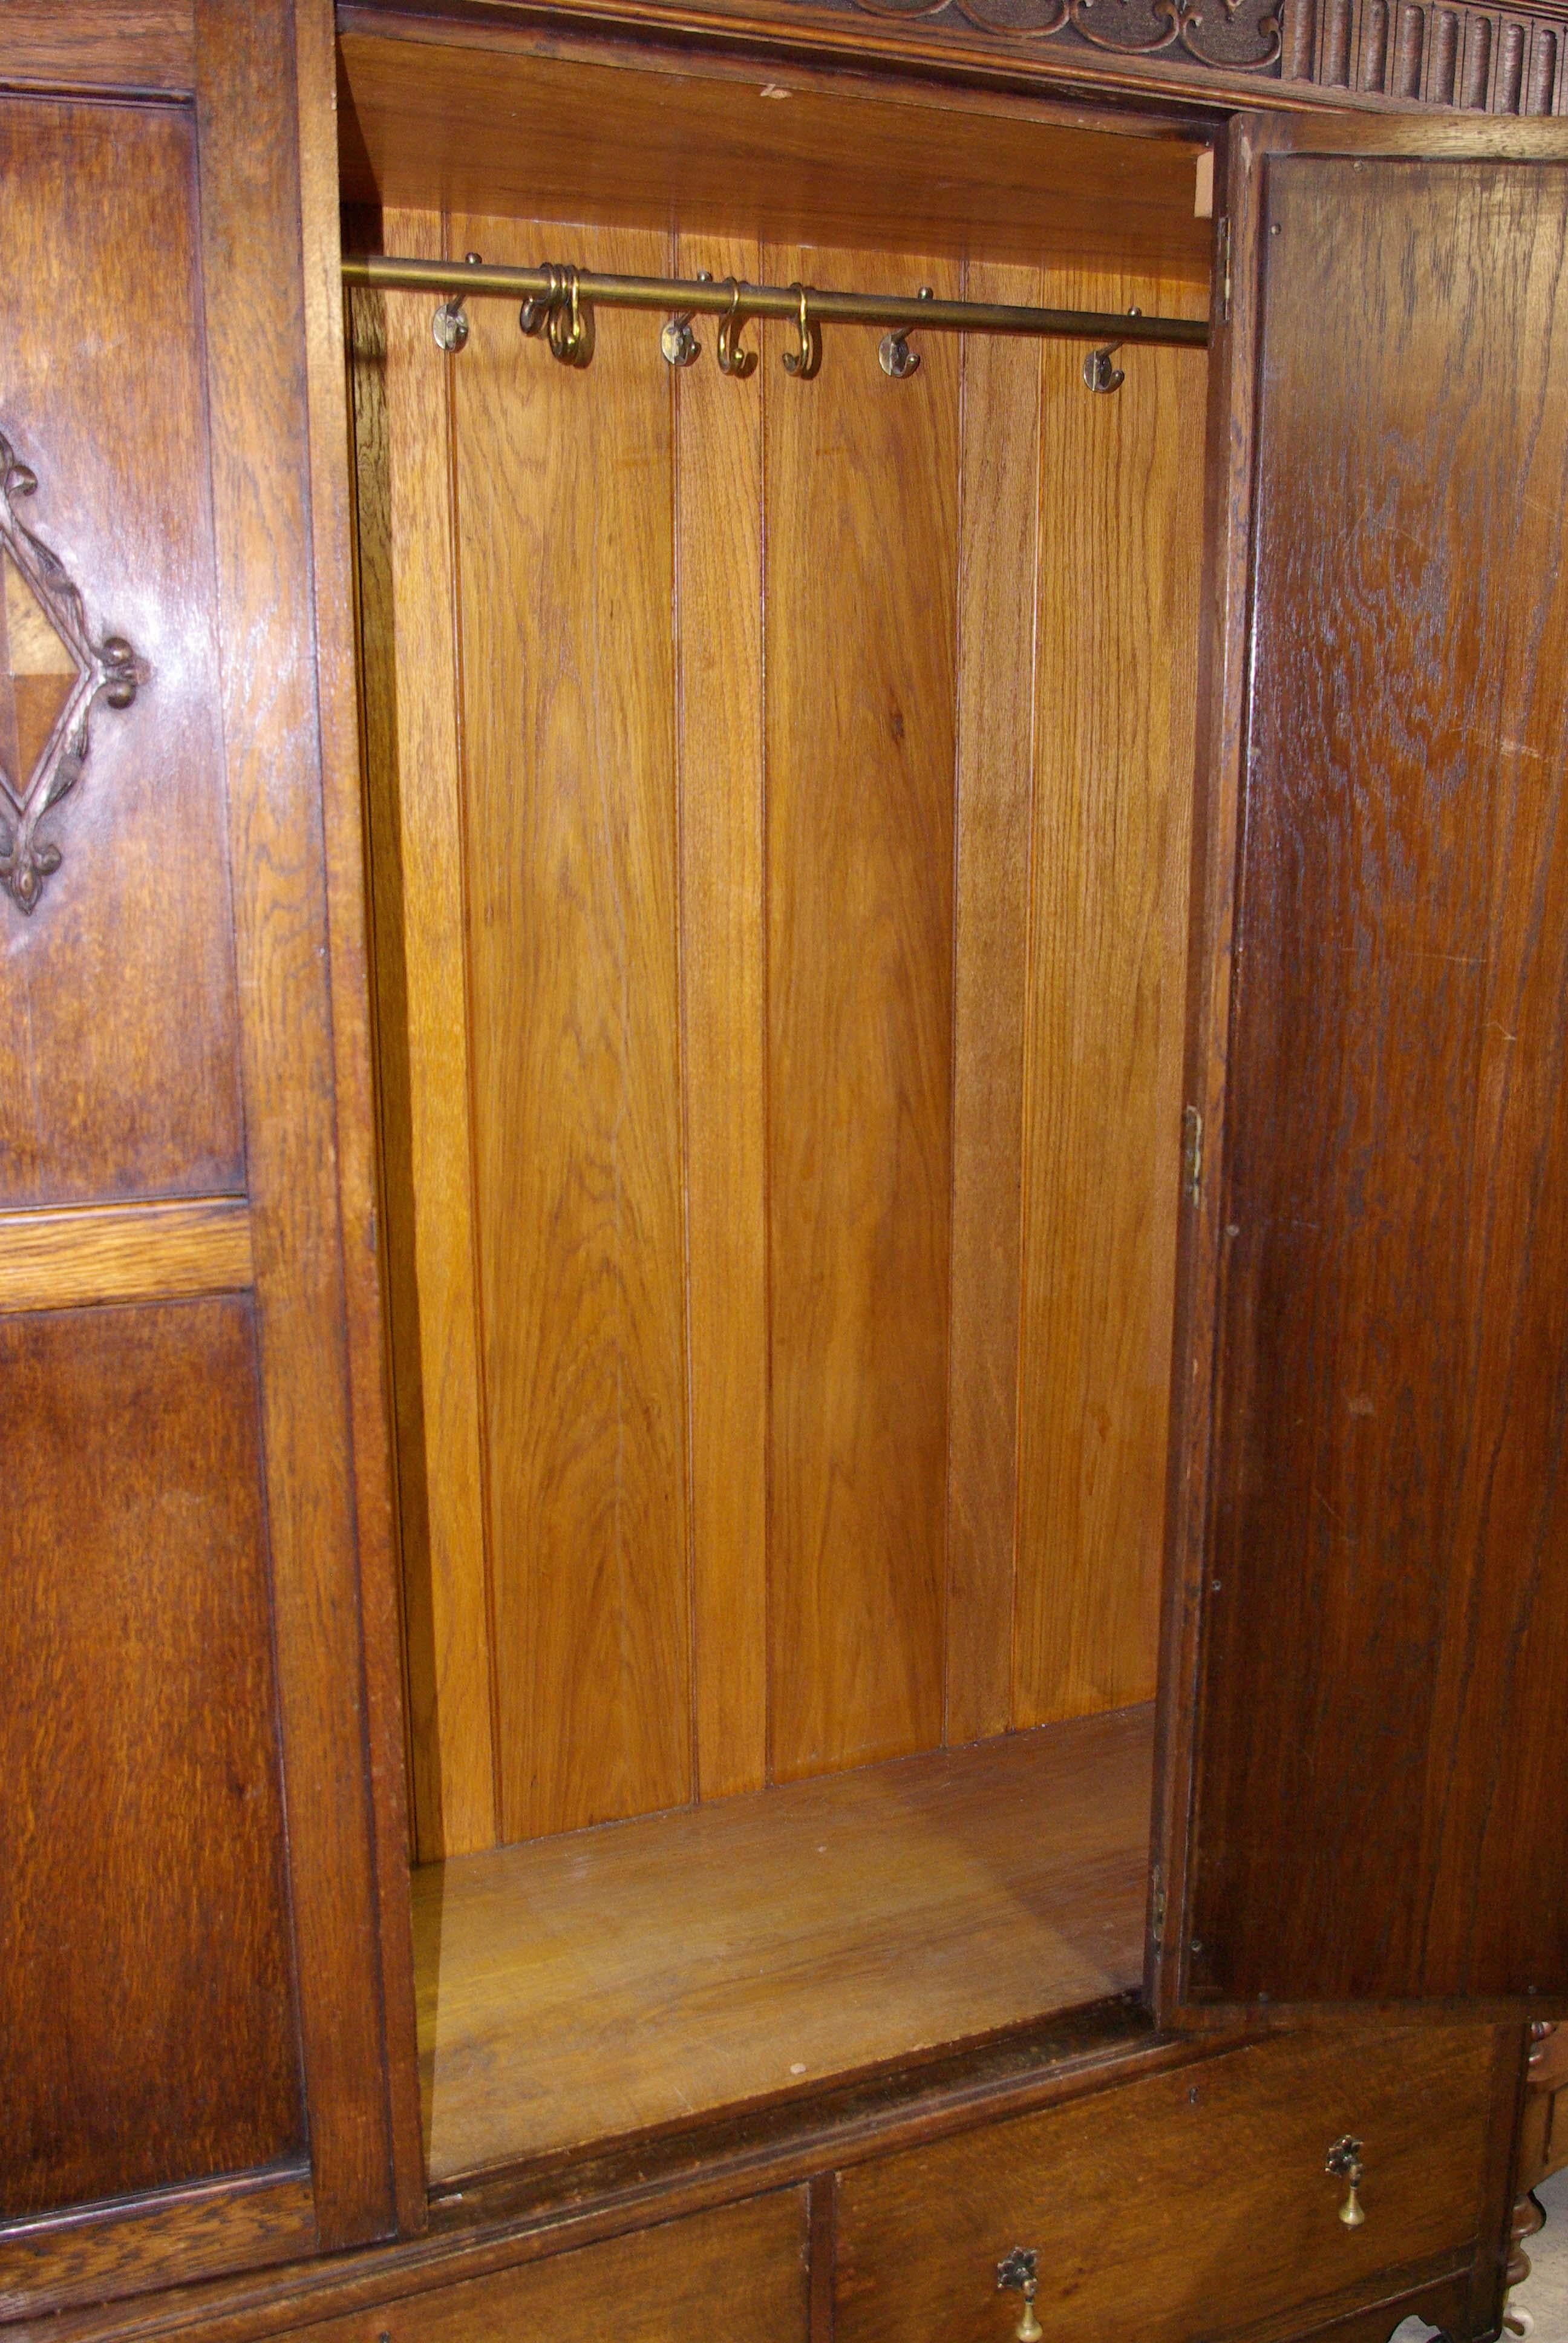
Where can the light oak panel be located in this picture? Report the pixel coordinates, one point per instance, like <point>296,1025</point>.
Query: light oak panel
<point>584,1987</point>
<point>719,745</point>
<point>999,539</point>
<point>1121,490</point>
<point>415,787</point>
<point>565,582</point>
<point>862,481</point>
<point>621,138</point>
<point>54,1260</point>
<point>791,1235</point>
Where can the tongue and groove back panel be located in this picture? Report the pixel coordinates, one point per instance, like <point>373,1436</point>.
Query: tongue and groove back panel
<point>779,805</point>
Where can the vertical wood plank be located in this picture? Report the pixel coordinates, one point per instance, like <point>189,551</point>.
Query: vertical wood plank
<point>1120,492</point>
<point>344,828</point>
<point>565,487</point>
<point>410,655</point>
<point>254,312</point>
<point>861,482</point>
<point>719,748</point>
<point>998,558</point>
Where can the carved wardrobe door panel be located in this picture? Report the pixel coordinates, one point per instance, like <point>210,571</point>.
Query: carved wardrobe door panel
<point>1368,1640</point>
<point>208,2050</point>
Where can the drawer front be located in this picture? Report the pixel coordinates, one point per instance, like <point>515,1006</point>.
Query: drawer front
<point>1182,2205</point>
<point>739,2273</point>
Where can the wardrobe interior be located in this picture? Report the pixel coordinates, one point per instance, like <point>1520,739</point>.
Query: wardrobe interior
<point>778,805</point>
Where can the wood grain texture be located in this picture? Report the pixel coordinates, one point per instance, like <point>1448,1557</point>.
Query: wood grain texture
<point>140,1791</point>
<point>407,622</point>
<point>617,136</point>
<point>254,311</point>
<point>719,719</point>
<point>1387,1506</point>
<point>607,1982</point>
<point>1197,2202</point>
<point>1336,53</point>
<point>49,2267</point>
<point>566,575</point>
<point>119,1073</point>
<point>742,2270</point>
<point>1115,709</point>
<point>860,647</point>
<point>113,44</point>
<point>358,1189</point>
<point>998,540</point>
<point>116,1252</point>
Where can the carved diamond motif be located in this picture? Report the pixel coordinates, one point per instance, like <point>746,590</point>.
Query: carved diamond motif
<point>39,675</point>
<point>53,673</point>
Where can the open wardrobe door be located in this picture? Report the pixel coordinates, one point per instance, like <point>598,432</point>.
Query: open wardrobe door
<point>1362,1797</point>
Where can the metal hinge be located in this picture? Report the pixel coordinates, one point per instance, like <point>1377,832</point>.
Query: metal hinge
<point>1157,1914</point>
<point>1222,268</point>
<point>1193,1152</point>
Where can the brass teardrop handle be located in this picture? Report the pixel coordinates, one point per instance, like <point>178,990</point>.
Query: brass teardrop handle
<point>1344,2161</point>
<point>1016,2275</point>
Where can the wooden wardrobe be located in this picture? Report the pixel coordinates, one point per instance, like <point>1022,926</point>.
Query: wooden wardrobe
<point>783,1214</point>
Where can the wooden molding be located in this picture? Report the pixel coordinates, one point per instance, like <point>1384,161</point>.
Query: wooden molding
<point>125,1253</point>
<point>1437,56</point>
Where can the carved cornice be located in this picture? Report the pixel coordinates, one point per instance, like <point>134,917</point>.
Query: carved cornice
<point>1439,54</point>
<point>75,672</point>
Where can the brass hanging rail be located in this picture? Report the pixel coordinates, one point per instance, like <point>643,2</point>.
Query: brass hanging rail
<point>559,298</point>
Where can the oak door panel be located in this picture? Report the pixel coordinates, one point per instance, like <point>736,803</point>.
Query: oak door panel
<point>151,2034</point>
<point>1381,1573</point>
<point>119,1074</point>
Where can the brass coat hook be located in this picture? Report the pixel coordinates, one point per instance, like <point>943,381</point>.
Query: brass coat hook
<point>894,355</point>
<point>534,315</point>
<point>1101,371</point>
<point>676,340</point>
<point>804,359</point>
<point>450,325</point>
<point>732,359</point>
<point>571,326</point>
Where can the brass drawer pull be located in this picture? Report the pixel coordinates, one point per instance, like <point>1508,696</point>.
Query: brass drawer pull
<point>1344,2161</point>
<point>1017,2276</point>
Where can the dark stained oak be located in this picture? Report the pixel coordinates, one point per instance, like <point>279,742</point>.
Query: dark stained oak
<point>113,44</point>
<point>741,2272</point>
<point>1188,2204</point>
<point>1385,1570</point>
<point>610,1981</point>
<point>150,2030</point>
<point>285,841</point>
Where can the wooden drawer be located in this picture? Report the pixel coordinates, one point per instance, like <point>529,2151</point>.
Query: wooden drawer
<point>1184,2204</point>
<point>739,2273</point>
